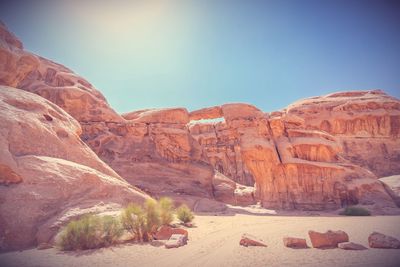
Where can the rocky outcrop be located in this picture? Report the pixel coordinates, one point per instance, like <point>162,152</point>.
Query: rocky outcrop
<point>315,154</point>
<point>292,165</point>
<point>48,174</point>
<point>361,121</point>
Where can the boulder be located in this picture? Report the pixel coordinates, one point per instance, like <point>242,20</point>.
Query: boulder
<point>351,246</point>
<point>176,241</point>
<point>165,232</point>
<point>329,239</point>
<point>250,240</point>
<point>378,240</point>
<point>294,242</point>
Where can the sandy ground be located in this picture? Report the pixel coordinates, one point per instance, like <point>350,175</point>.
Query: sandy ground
<point>215,242</point>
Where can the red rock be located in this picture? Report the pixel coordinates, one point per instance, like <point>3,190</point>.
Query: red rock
<point>249,240</point>
<point>58,175</point>
<point>294,242</point>
<point>351,246</point>
<point>329,239</point>
<point>165,232</point>
<point>378,240</point>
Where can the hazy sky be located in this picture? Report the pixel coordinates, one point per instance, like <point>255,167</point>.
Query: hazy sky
<point>194,54</point>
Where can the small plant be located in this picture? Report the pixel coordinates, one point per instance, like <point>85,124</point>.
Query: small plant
<point>134,220</point>
<point>184,214</point>
<point>84,233</point>
<point>166,210</point>
<point>355,211</point>
<point>153,220</point>
<point>112,230</point>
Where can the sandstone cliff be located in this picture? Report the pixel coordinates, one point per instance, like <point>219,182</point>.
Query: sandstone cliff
<point>312,155</point>
<point>47,174</point>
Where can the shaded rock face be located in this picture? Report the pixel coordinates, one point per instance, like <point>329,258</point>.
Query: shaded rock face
<point>47,171</point>
<point>312,155</point>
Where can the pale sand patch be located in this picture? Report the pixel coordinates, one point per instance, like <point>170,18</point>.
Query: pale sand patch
<point>215,242</point>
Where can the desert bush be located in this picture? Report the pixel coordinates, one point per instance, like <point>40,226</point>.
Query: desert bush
<point>133,219</point>
<point>166,210</point>
<point>111,230</point>
<point>355,211</point>
<point>84,233</point>
<point>153,220</point>
<point>184,214</point>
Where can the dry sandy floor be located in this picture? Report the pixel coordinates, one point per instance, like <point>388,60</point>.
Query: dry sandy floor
<point>215,242</point>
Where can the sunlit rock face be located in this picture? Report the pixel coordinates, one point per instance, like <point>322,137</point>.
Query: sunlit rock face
<point>296,159</point>
<point>365,123</point>
<point>47,174</point>
<point>316,154</point>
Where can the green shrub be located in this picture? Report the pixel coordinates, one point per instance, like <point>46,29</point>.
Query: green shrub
<point>184,214</point>
<point>355,211</point>
<point>134,220</point>
<point>111,229</point>
<point>153,220</point>
<point>166,210</point>
<point>88,233</point>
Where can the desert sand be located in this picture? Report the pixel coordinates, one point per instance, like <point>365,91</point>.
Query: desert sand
<point>214,241</point>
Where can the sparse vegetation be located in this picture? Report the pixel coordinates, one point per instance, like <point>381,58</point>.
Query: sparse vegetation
<point>355,211</point>
<point>184,214</point>
<point>90,232</point>
<point>134,220</point>
<point>153,220</point>
<point>166,210</point>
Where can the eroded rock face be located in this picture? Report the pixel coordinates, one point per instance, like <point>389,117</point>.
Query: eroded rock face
<point>313,155</point>
<point>49,171</point>
<point>151,149</point>
<point>293,166</point>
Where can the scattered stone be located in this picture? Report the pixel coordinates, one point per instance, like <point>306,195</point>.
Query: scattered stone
<point>165,232</point>
<point>249,240</point>
<point>351,246</point>
<point>176,241</point>
<point>378,240</point>
<point>294,242</point>
<point>329,239</point>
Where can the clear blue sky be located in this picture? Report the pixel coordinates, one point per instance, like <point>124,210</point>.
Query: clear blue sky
<point>194,54</point>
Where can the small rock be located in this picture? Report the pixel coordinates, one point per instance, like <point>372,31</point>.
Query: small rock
<point>249,240</point>
<point>165,232</point>
<point>294,242</point>
<point>329,239</point>
<point>351,246</point>
<point>157,243</point>
<point>378,240</point>
<point>176,241</point>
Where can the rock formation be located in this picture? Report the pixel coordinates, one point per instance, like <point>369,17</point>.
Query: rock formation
<point>47,174</point>
<point>315,154</point>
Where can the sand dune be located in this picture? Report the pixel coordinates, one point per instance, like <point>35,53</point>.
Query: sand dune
<point>215,242</point>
